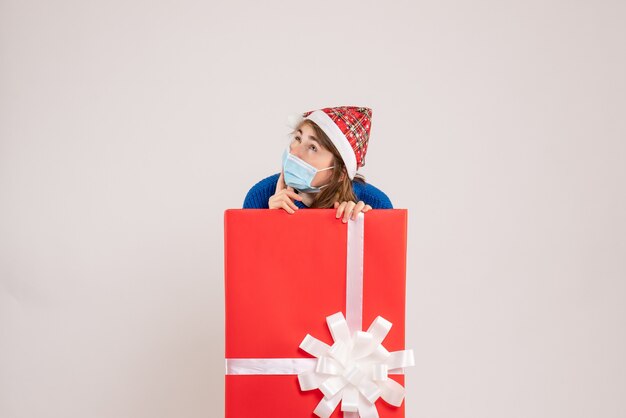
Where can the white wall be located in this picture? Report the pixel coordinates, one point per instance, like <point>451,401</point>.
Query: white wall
<point>127,127</point>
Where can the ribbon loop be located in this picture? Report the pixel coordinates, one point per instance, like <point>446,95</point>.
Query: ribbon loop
<point>400,359</point>
<point>367,410</point>
<point>379,329</point>
<point>332,386</point>
<point>338,327</point>
<point>326,406</point>
<point>327,365</point>
<point>309,380</point>
<point>380,371</point>
<point>353,375</point>
<point>350,400</point>
<point>314,347</point>
<point>370,390</point>
<point>392,392</point>
<point>364,344</point>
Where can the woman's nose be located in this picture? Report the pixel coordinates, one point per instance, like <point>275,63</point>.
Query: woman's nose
<point>296,149</point>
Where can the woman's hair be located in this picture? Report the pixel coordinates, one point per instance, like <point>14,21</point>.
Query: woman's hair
<point>337,190</point>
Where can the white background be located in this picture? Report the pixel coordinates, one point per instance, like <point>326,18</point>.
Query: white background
<point>128,127</point>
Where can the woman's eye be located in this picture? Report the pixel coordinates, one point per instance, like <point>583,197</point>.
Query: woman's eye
<point>313,147</point>
<point>297,138</point>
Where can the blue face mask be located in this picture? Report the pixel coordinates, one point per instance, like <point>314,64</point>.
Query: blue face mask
<point>299,174</point>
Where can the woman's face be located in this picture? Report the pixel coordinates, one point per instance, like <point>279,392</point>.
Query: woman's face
<point>304,145</point>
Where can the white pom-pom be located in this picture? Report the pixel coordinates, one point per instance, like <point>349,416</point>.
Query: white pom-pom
<point>294,120</point>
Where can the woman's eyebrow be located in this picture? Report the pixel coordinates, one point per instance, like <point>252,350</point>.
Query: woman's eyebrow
<point>312,138</point>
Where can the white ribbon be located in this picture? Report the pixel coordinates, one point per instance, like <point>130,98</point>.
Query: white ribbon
<point>269,365</point>
<point>354,273</point>
<point>353,371</point>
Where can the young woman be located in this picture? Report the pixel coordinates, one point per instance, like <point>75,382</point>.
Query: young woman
<point>319,167</point>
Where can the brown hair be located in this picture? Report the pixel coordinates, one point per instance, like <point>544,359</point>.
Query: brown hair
<point>337,190</point>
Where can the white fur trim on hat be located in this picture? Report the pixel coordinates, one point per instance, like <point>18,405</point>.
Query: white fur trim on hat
<point>340,141</point>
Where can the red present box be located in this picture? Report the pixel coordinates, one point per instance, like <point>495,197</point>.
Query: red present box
<point>285,274</point>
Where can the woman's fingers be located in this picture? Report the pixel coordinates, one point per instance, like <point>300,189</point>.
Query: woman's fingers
<point>280,185</point>
<point>287,208</point>
<point>348,211</point>
<point>283,201</point>
<point>290,203</point>
<point>291,193</point>
<point>340,209</point>
<point>358,208</point>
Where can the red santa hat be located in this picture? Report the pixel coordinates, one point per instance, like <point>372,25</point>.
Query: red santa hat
<point>348,127</point>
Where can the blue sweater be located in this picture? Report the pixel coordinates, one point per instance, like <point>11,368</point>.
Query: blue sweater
<point>259,195</point>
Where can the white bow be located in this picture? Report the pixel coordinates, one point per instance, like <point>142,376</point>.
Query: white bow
<point>354,371</point>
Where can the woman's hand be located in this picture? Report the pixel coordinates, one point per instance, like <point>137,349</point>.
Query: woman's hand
<point>283,198</point>
<point>347,208</point>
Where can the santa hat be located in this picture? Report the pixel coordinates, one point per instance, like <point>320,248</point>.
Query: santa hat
<point>348,127</point>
